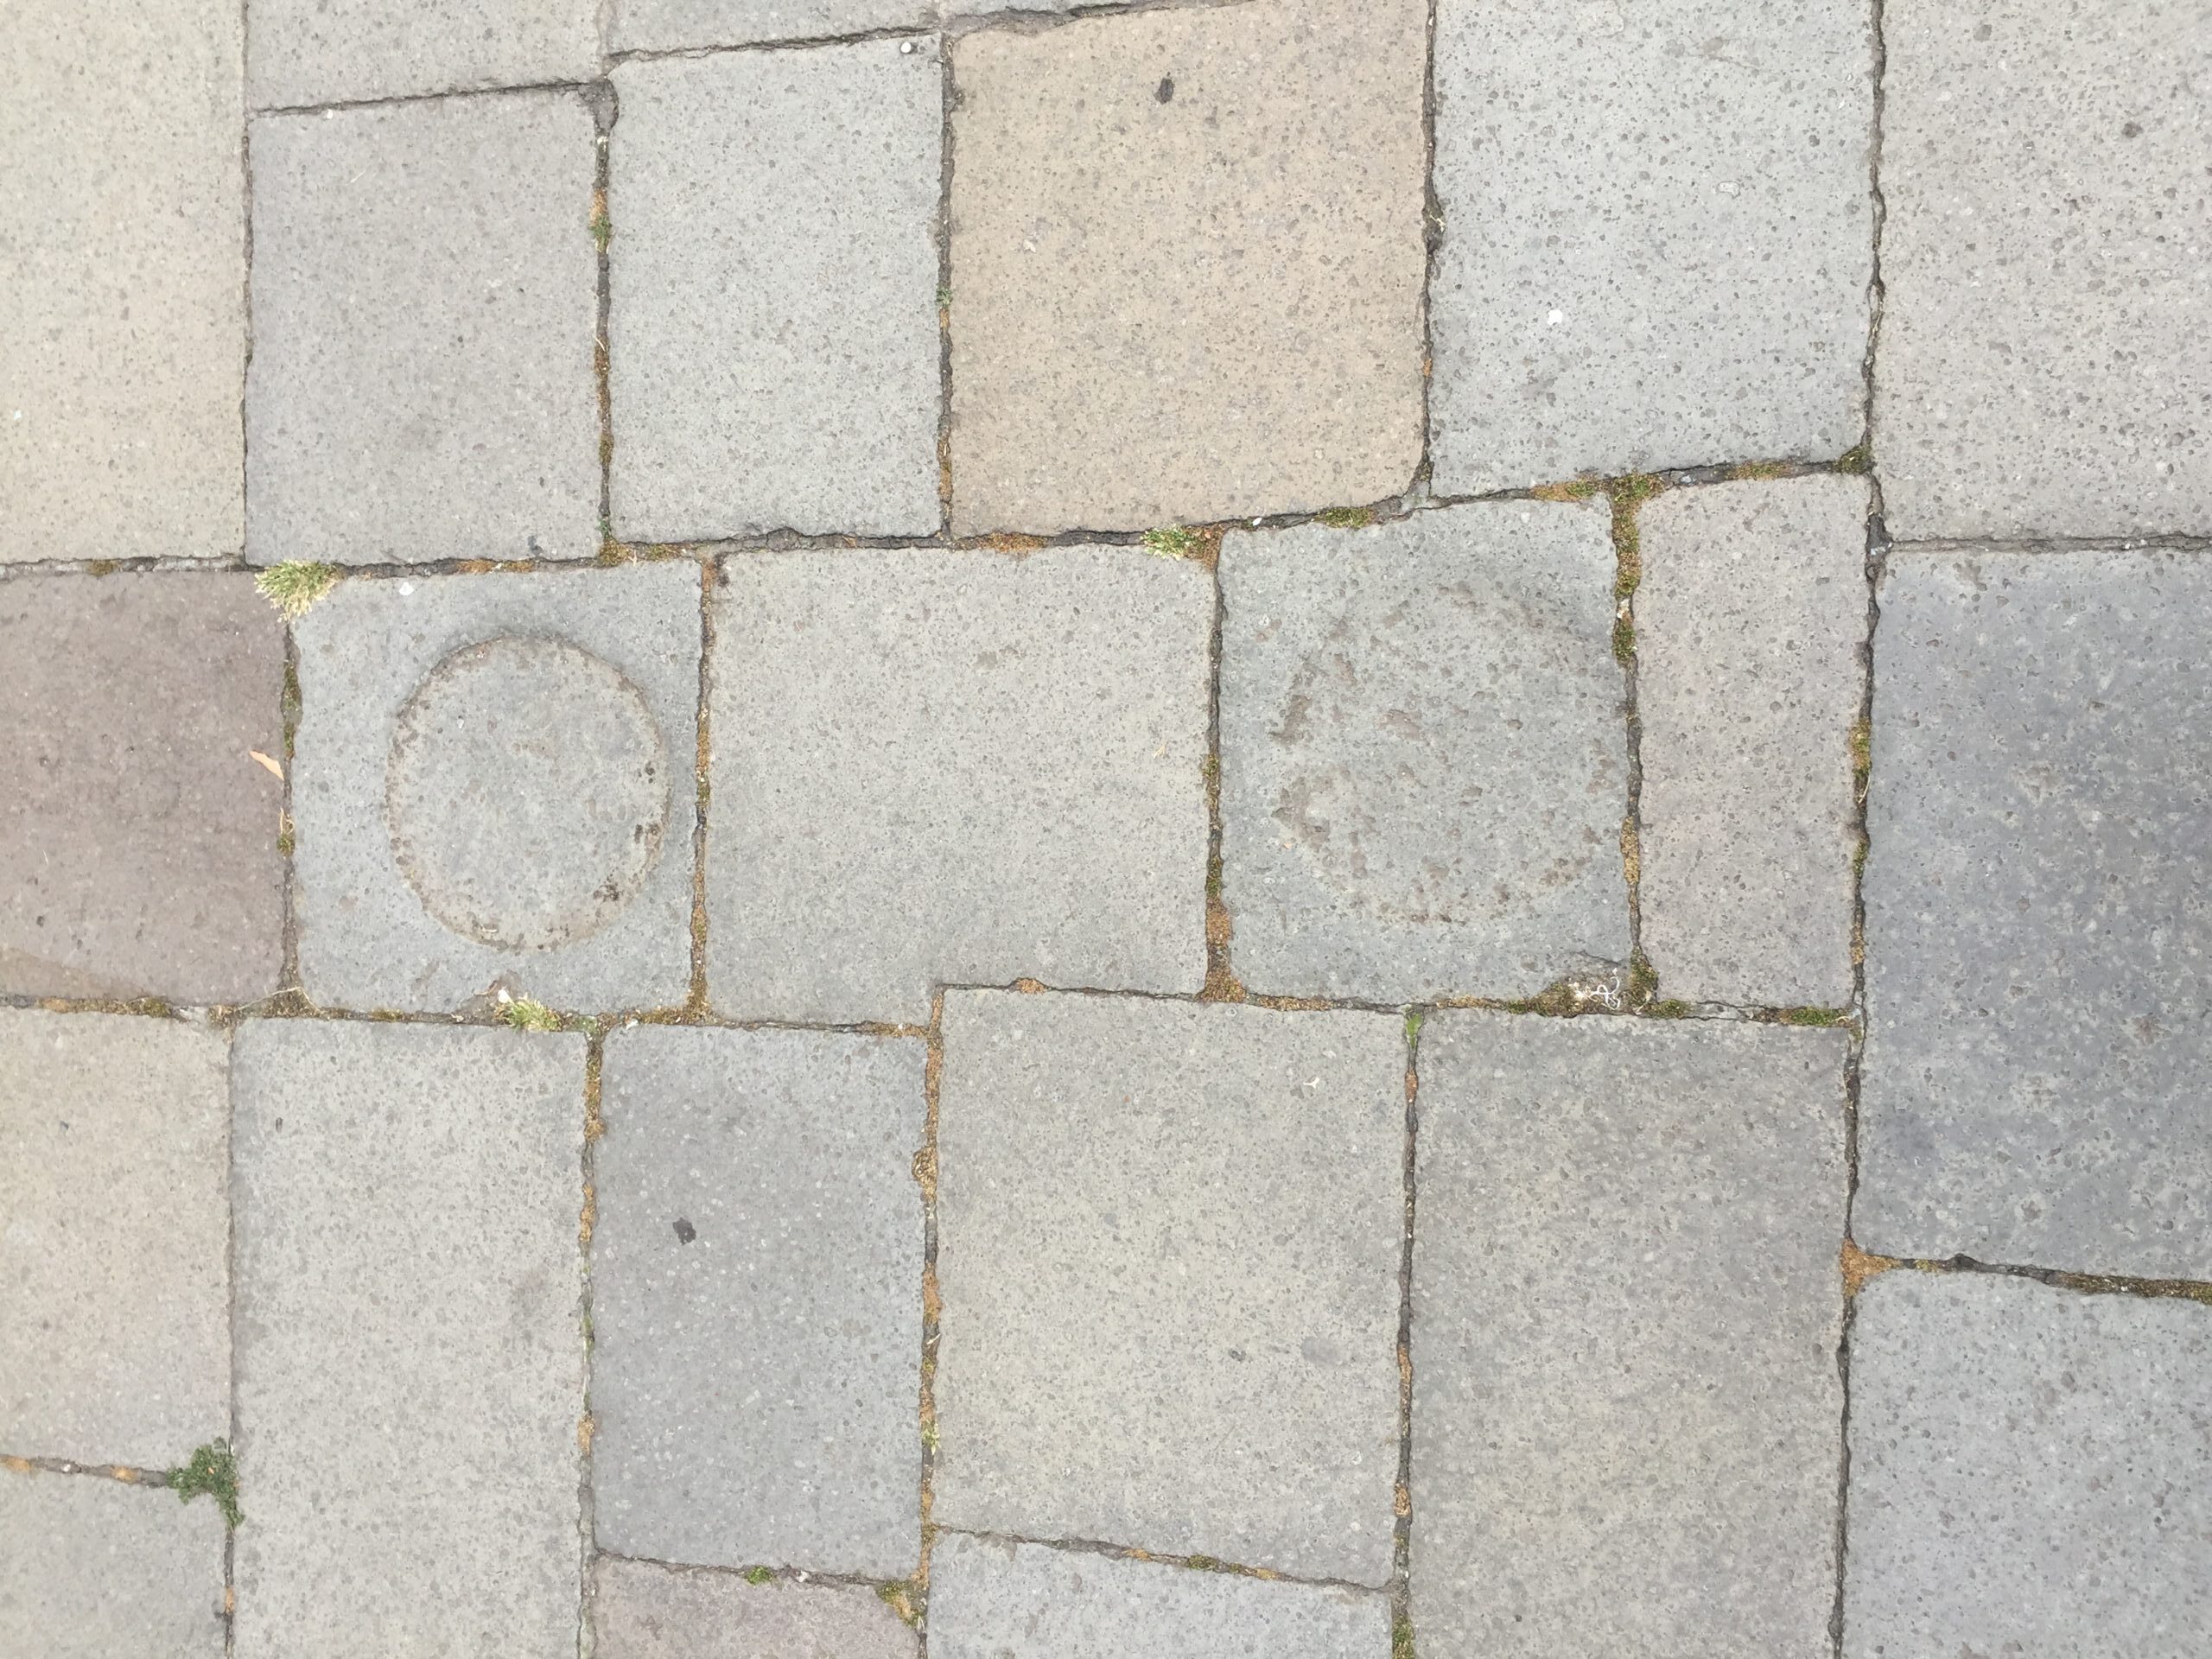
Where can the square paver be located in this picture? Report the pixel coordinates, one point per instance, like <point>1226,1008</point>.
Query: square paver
<point>116,1249</point>
<point>643,1610</point>
<point>139,834</point>
<point>757,1300</point>
<point>346,51</point>
<point>2039,913</point>
<point>662,25</point>
<point>493,785</point>
<point>1627,1412</point>
<point>1751,626</point>
<point>123,257</point>
<point>773,337</point>
<point>93,1568</point>
<point>955,767</point>
<point>1657,235</point>
<point>1186,264</point>
<point>1424,754</point>
<point>1169,1239</point>
<point>425,299</point>
<point>410,1346</point>
<point>2030,1470</point>
<point>2045,366</point>
<point>990,1599</point>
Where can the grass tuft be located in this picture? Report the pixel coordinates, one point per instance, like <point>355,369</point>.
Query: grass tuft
<point>1174,542</point>
<point>293,586</point>
<point>528,1014</point>
<point>213,1473</point>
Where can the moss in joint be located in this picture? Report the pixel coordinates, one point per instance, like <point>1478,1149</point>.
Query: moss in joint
<point>1810,1017</point>
<point>1857,459</point>
<point>213,1473</point>
<point>1402,1639</point>
<point>1413,1018</point>
<point>1627,495</point>
<point>1174,542</point>
<point>1346,518</point>
<point>758,1575</point>
<point>528,1014</point>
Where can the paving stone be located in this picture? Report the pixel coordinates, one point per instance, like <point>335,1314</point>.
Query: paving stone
<point>990,1599</point>
<point>137,833</point>
<point>116,1346</point>
<point>1750,622</point>
<point>122,254</point>
<point>93,1568</point>
<point>1626,1309</point>
<point>757,1300</point>
<point>956,767</point>
<point>492,784</point>
<point>642,1610</point>
<point>2045,366</point>
<point>425,297</point>
<point>1169,1241</point>
<point>661,25</point>
<point>410,1353</point>
<point>1187,264</point>
<point>338,51</point>
<point>1424,757</point>
<point>2030,1470</point>
<point>773,336</point>
<point>1657,239</point>
<point>2038,896</point>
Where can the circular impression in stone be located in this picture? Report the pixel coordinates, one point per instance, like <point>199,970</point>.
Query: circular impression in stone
<point>526,792</point>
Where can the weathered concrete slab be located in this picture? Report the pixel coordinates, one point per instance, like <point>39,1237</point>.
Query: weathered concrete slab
<point>342,51</point>
<point>96,1569</point>
<point>642,1610</point>
<point>661,25</point>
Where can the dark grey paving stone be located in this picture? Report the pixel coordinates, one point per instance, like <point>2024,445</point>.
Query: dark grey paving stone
<point>2030,1470</point>
<point>341,51</point>
<point>115,1129</point>
<point>93,1568</point>
<point>1657,237</point>
<point>773,337</point>
<point>493,785</point>
<point>757,1300</point>
<point>410,1346</point>
<point>661,25</point>
<point>425,300</point>
<point>1424,762</point>
<point>643,1610</point>
<point>990,1599</point>
<point>938,767</point>
<point>2038,896</point>
<point>1627,1412</point>
<point>2045,366</point>
<point>1169,1239</point>
<point>137,833</point>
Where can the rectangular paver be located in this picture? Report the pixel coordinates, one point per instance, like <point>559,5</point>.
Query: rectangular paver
<point>757,1300</point>
<point>1169,1242</point>
<point>341,51</point>
<point>93,1568</point>
<point>1627,1412</point>
<point>662,25</point>
<point>115,1347</point>
<point>773,337</point>
<point>425,300</point>
<point>956,767</point>
<point>410,1347</point>
<point>1186,264</point>
<point>139,834</point>
<point>2030,1470</point>
<point>643,1610</point>
<point>2039,913</point>
<point>1424,754</point>
<point>2045,366</point>
<point>990,1599</point>
<point>1751,622</point>
<point>122,259</point>
<point>1657,235</point>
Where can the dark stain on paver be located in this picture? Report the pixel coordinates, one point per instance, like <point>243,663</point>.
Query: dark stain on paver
<point>1167,88</point>
<point>685,1232</point>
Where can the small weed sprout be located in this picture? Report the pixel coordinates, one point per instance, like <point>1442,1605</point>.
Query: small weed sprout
<point>213,1473</point>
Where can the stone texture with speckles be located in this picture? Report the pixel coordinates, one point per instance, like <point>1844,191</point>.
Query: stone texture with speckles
<point>662,25</point>
<point>642,1610</point>
<point>93,1568</point>
<point>346,51</point>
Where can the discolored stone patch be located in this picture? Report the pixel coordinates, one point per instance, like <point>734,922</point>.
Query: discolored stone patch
<point>93,1568</point>
<point>643,1610</point>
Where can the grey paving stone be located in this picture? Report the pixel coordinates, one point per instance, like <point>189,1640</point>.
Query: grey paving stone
<point>122,254</point>
<point>2030,1470</point>
<point>116,1131</point>
<point>337,51</point>
<point>2038,895</point>
<point>956,767</point>
<point>990,1599</point>
<point>1424,762</point>
<point>757,1300</point>
<point>410,1351</point>
<point>1626,1308</point>
<point>1186,264</point>
<point>493,785</point>
<point>425,297</point>
<point>92,1568</point>
<point>773,337</point>
<point>1751,619</point>
<point>137,833</point>
<point>661,25</point>
<point>1169,1242</point>
<point>2045,366</point>
<point>1657,238</point>
<point>642,1610</point>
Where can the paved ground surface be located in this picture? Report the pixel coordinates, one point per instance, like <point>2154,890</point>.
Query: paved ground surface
<point>1289,828</point>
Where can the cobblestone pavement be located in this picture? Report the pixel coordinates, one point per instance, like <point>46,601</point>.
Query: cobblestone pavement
<point>1303,827</point>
